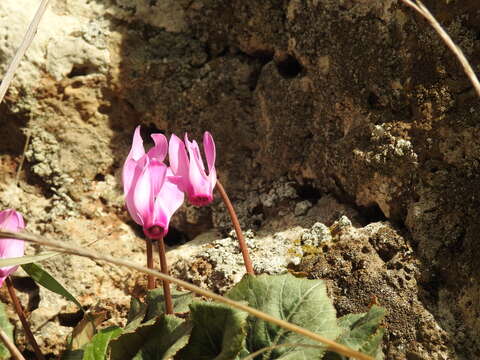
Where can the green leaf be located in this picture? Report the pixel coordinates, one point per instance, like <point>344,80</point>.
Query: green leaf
<point>156,303</point>
<point>361,332</point>
<point>156,339</point>
<point>72,355</point>
<point>97,348</point>
<point>7,328</point>
<point>27,259</point>
<point>299,301</point>
<point>219,332</point>
<point>136,314</point>
<point>47,281</point>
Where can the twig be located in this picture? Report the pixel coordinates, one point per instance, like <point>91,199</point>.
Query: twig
<point>166,286</point>
<point>150,278</point>
<point>27,40</point>
<point>16,354</point>
<point>23,319</point>
<point>422,10</point>
<point>22,160</point>
<point>236,226</point>
<point>75,250</point>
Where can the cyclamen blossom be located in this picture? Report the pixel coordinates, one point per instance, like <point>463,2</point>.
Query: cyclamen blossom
<point>189,169</point>
<point>10,220</point>
<point>151,197</point>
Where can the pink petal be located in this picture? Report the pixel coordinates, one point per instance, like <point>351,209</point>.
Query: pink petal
<point>157,175</point>
<point>177,156</point>
<point>212,176</point>
<point>136,153</point>
<point>159,151</point>
<point>166,203</point>
<point>137,150</point>
<point>143,196</point>
<point>128,174</point>
<point>170,195</point>
<point>209,148</point>
<point>11,220</point>
<point>194,153</point>
<point>129,196</point>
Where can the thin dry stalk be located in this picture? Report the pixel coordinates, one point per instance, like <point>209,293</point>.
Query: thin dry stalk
<point>236,226</point>
<point>27,40</point>
<point>75,250</point>
<point>22,160</point>
<point>422,10</point>
<point>23,319</point>
<point>16,354</point>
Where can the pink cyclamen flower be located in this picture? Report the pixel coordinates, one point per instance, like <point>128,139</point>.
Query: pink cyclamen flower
<point>12,221</point>
<point>189,169</point>
<point>151,197</point>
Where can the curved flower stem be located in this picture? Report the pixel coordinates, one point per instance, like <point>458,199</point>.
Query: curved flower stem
<point>166,285</point>
<point>23,319</point>
<point>151,279</point>
<point>236,226</point>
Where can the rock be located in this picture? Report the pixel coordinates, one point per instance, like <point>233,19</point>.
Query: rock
<point>334,103</point>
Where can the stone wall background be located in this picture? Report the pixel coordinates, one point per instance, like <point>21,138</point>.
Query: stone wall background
<point>356,100</point>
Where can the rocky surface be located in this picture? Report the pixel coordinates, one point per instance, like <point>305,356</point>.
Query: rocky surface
<point>307,100</point>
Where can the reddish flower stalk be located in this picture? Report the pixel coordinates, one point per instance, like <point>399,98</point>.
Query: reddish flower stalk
<point>164,268</point>
<point>151,278</point>
<point>238,230</point>
<point>23,319</point>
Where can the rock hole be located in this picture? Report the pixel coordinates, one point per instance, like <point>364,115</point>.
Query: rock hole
<point>289,67</point>
<point>99,177</point>
<point>81,70</point>
<point>70,319</point>
<point>175,237</point>
<point>13,138</point>
<point>308,192</point>
<point>372,213</point>
<point>78,70</point>
<point>374,101</point>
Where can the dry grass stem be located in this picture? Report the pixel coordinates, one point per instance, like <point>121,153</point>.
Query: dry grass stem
<point>16,354</point>
<point>27,40</point>
<point>419,7</point>
<point>70,249</point>
<point>22,160</point>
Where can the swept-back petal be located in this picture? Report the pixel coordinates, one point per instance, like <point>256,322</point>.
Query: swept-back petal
<point>167,202</point>
<point>157,175</point>
<point>137,150</point>
<point>129,196</point>
<point>159,151</point>
<point>194,153</point>
<point>170,195</point>
<point>209,148</point>
<point>11,220</point>
<point>177,156</point>
<point>143,195</point>
<point>128,173</point>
